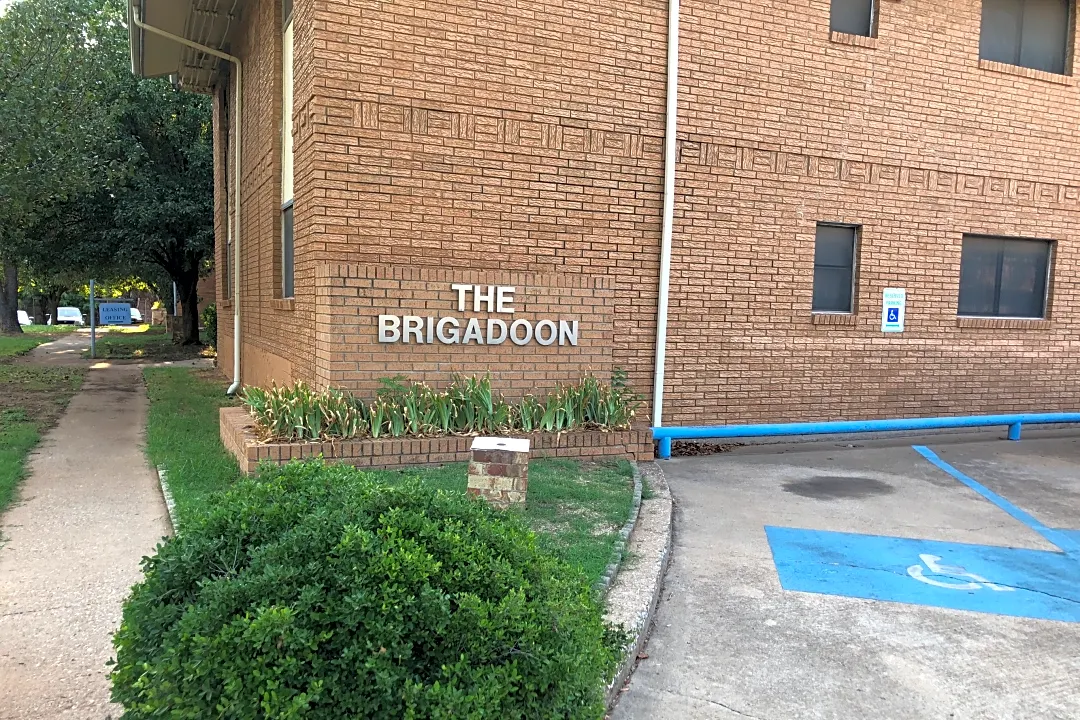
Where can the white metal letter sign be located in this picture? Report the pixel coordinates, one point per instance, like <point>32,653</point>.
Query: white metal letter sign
<point>493,299</point>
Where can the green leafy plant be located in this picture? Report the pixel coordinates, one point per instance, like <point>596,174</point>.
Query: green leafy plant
<point>529,413</point>
<point>297,412</point>
<point>209,323</point>
<point>468,406</point>
<point>316,592</point>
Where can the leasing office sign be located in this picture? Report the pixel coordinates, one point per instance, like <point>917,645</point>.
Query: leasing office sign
<point>454,330</point>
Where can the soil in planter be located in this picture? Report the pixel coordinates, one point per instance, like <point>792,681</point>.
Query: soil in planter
<point>691,448</point>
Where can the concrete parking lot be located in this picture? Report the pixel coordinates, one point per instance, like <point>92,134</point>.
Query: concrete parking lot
<point>931,578</point>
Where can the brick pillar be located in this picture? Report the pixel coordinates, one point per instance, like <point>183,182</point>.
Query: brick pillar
<point>499,471</point>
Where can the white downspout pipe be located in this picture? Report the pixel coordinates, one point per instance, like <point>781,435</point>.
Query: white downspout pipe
<point>238,102</point>
<point>670,121</point>
<point>137,19</point>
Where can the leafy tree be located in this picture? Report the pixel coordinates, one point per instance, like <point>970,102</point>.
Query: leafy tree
<point>56,60</point>
<point>163,213</point>
<point>107,175</point>
<point>70,245</point>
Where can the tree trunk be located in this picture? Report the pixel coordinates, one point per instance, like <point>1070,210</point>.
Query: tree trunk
<point>188,289</point>
<point>51,303</point>
<point>9,300</point>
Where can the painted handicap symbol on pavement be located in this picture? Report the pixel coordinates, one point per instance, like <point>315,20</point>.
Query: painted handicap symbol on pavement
<point>975,582</point>
<point>980,578</point>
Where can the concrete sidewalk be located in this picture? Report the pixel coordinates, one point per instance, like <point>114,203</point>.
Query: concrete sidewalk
<point>65,350</point>
<point>90,510</point>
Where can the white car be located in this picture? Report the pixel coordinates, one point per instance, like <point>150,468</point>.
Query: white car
<point>68,316</point>
<point>25,319</point>
<point>136,316</point>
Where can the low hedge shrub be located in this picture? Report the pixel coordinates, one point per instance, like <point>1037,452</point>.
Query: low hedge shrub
<point>467,406</point>
<point>314,592</point>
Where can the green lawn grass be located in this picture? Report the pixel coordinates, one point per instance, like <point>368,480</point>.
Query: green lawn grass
<point>182,435</point>
<point>577,509</point>
<point>48,329</point>
<point>33,335</point>
<point>144,328</point>
<point>12,345</point>
<point>31,400</point>
<point>144,342</point>
<point>18,436</point>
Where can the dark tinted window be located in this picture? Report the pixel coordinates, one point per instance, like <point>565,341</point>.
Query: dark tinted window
<point>287,251</point>
<point>1002,277</point>
<point>834,268</point>
<point>1029,33</point>
<point>855,17</point>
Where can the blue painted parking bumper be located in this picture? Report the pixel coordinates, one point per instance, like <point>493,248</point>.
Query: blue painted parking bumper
<point>718,432</point>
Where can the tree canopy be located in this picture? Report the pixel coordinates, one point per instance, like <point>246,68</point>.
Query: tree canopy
<point>103,174</point>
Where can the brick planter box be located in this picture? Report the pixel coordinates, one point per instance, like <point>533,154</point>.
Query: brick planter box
<point>239,438</point>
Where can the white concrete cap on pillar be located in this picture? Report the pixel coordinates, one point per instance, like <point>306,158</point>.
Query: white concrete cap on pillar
<point>515,445</point>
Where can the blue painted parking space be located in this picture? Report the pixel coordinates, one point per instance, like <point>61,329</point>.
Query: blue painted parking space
<point>980,578</point>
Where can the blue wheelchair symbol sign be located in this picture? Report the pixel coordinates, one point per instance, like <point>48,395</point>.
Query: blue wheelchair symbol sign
<point>894,315</point>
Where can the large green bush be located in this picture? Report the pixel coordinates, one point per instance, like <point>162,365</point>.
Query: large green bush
<point>314,592</point>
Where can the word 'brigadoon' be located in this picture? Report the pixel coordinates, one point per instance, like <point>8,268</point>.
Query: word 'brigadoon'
<point>490,331</point>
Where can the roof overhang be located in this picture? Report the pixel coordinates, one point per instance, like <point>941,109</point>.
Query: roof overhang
<point>210,23</point>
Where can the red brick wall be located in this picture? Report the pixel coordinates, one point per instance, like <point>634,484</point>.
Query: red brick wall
<point>914,139</point>
<point>488,138</point>
<point>239,438</point>
<point>492,139</point>
<point>278,334</point>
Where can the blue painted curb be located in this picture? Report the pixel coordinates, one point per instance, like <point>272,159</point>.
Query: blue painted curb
<point>711,432</point>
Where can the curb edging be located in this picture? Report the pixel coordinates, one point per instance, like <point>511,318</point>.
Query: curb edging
<point>170,504</point>
<point>635,593</point>
<point>612,569</point>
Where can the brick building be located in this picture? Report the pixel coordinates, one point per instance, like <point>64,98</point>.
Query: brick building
<point>825,151</point>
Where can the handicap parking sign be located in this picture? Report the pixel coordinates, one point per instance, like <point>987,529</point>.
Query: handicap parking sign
<point>893,301</point>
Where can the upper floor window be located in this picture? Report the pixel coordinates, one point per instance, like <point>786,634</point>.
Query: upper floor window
<point>854,17</point>
<point>1003,277</point>
<point>1029,33</point>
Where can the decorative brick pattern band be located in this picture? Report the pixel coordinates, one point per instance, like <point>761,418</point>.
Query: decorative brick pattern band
<point>239,439</point>
<point>741,159</point>
<point>488,128</point>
